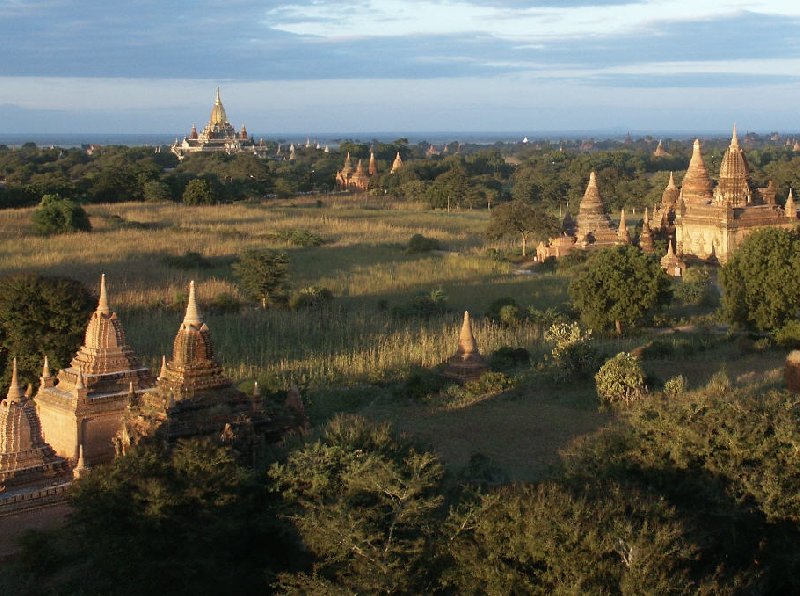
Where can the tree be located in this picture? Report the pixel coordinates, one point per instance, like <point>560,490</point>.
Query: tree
<point>620,286</point>
<point>366,504</point>
<point>155,191</point>
<point>530,222</point>
<point>56,215</point>
<point>41,316</point>
<point>197,192</point>
<point>262,275</point>
<point>759,282</point>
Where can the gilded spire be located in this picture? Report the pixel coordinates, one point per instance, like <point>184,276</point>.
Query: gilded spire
<point>192,317</point>
<point>102,306</point>
<point>671,183</point>
<point>734,139</point>
<point>218,100</point>
<point>15,393</point>
<point>163,373</point>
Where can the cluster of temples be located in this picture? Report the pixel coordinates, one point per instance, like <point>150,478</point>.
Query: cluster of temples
<point>697,219</point>
<point>358,178</point>
<point>106,401</point>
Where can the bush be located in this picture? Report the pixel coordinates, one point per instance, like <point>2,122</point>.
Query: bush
<point>573,353</point>
<point>422,384</point>
<point>262,275</point>
<point>696,289</point>
<point>546,318</point>
<point>419,244</point>
<point>493,312</point>
<point>311,297</point>
<point>55,215</point>
<point>505,359</point>
<point>490,383</point>
<point>509,316</point>
<point>197,192</point>
<point>788,336</point>
<point>423,305</point>
<point>187,261</point>
<point>301,238</point>
<point>621,380</point>
<point>675,386</point>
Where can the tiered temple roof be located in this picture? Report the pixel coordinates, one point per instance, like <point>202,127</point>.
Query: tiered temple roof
<point>696,186</point>
<point>193,368</point>
<point>734,177</point>
<point>467,364</point>
<point>25,458</point>
<point>83,405</point>
<point>594,224</point>
<point>623,235</point>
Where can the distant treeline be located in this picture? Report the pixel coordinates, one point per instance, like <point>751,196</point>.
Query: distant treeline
<point>455,176</point>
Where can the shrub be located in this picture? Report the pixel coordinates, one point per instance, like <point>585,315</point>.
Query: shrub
<point>490,383</point>
<point>424,305</point>
<point>188,260</point>
<point>675,386</point>
<point>419,244</point>
<point>509,315</point>
<point>198,192</point>
<point>422,383</point>
<point>788,336</point>
<point>620,380</point>
<point>696,289</point>
<point>546,318</point>
<point>300,237</point>
<point>493,312</point>
<point>505,359</point>
<point>573,353</point>
<point>311,297</point>
<point>262,275</point>
<point>56,215</point>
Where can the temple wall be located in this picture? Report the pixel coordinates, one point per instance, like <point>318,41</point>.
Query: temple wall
<point>99,432</point>
<point>59,428</point>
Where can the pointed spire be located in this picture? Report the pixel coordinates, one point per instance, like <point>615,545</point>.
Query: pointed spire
<point>102,306</point>
<point>14,391</point>
<point>671,183</point>
<point>790,209</point>
<point>192,317</point>
<point>46,368</point>
<point>646,219</point>
<point>218,100</point>
<point>734,139</point>
<point>131,390</point>
<point>622,232</point>
<point>670,251</point>
<point>163,373</point>
<point>592,179</point>
<point>466,340</point>
<point>256,389</point>
<point>80,467</point>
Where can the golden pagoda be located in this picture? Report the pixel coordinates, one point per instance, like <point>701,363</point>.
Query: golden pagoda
<point>467,364</point>
<point>218,136</point>
<point>84,404</point>
<point>734,177</point>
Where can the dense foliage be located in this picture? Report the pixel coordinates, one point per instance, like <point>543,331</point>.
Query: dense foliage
<point>41,316</point>
<point>263,275</point>
<point>621,380</point>
<point>525,220</point>
<point>56,215</point>
<point>759,281</point>
<point>620,287</point>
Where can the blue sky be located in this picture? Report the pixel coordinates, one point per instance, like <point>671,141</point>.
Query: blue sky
<point>320,66</point>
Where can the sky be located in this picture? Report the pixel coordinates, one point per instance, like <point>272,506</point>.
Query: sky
<point>323,66</point>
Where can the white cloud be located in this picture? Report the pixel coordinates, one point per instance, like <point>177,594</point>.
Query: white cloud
<point>379,18</point>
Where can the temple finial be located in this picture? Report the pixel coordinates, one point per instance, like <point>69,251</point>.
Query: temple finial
<point>192,313</point>
<point>46,368</point>
<point>671,183</point>
<point>218,99</point>
<point>163,373</point>
<point>102,305</point>
<point>14,391</point>
<point>734,138</point>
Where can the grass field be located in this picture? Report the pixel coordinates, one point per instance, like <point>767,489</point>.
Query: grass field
<point>344,357</point>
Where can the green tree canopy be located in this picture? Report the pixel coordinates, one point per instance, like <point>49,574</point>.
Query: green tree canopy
<point>619,288</point>
<point>759,282</point>
<point>197,192</point>
<point>56,215</point>
<point>529,222</point>
<point>366,503</point>
<point>263,275</point>
<point>41,316</point>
